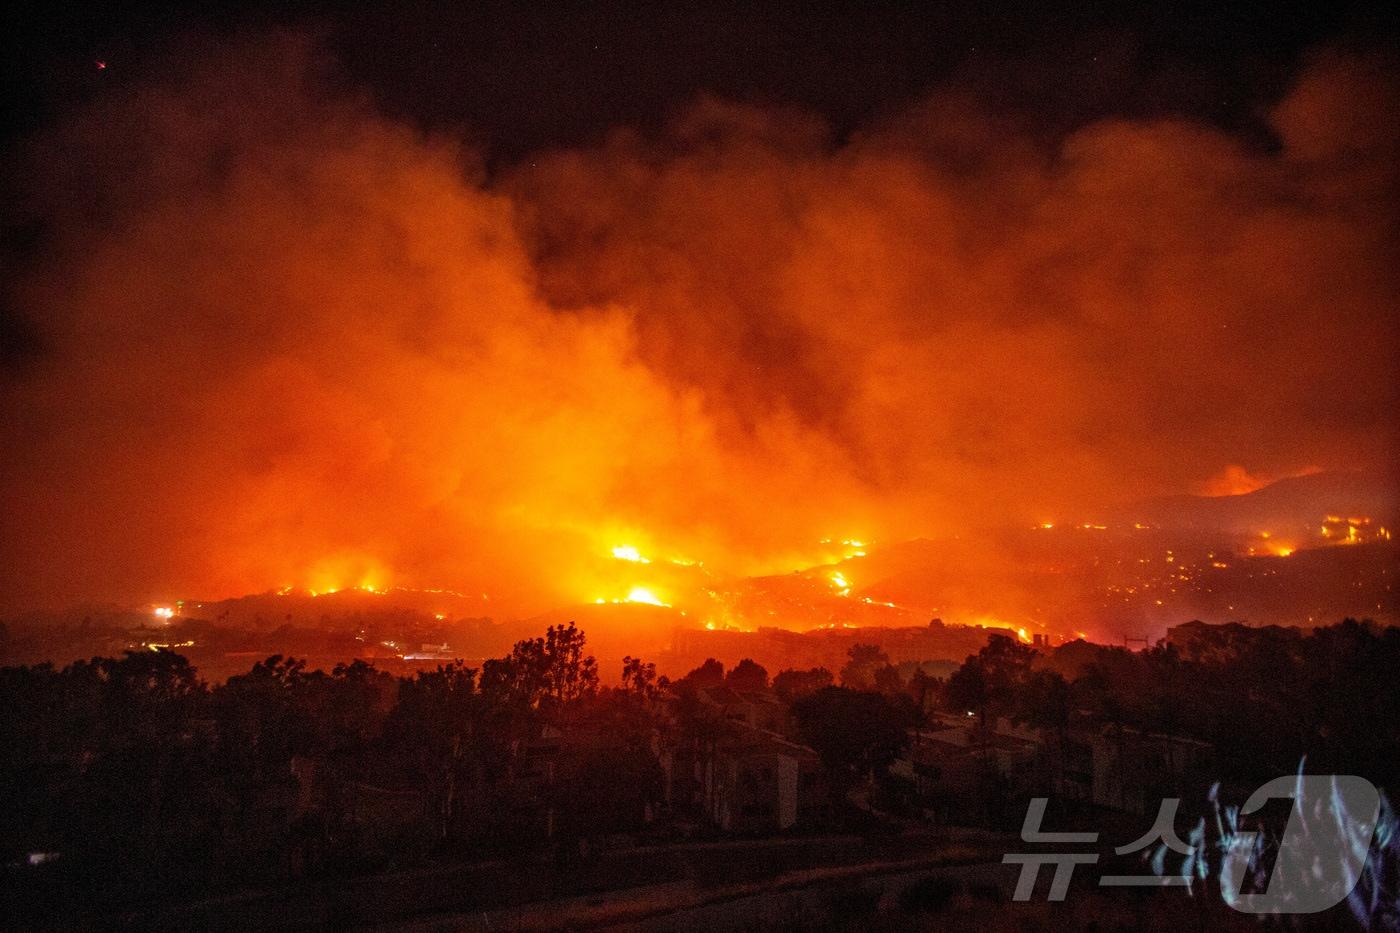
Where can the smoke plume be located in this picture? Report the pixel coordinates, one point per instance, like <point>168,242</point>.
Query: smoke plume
<point>279,338</point>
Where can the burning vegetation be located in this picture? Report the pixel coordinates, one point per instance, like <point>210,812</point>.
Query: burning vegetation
<point>283,339</point>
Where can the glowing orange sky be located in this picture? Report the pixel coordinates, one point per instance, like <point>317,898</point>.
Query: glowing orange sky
<point>288,340</point>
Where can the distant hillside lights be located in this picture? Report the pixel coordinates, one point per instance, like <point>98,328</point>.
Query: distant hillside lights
<point>159,646</point>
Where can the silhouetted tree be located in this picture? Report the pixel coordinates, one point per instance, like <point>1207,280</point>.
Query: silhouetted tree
<point>989,682</point>
<point>1006,663</point>
<point>926,692</point>
<point>639,678</point>
<point>856,733</point>
<point>543,671</point>
<point>435,730</point>
<point>792,684</point>
<point>858,673</point>
<point>969,690</point>
<point>709,674</point>
<point>1045,702</point>
<point>887,680</point>
<point>747,675</point>
<point>153,785</point>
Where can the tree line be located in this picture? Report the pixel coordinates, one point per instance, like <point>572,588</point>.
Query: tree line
<point>148,782</point>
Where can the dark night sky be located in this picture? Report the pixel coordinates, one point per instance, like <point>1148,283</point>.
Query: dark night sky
<point>522,77</point>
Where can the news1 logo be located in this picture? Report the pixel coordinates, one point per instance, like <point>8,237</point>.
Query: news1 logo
<point>1317,862</point>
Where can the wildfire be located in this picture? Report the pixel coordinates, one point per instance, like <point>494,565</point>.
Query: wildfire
<point>332,590</point>
<point>1351,530</point>
<point>630,553</point>
<point>842,585</point>
<point>640,594</point>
